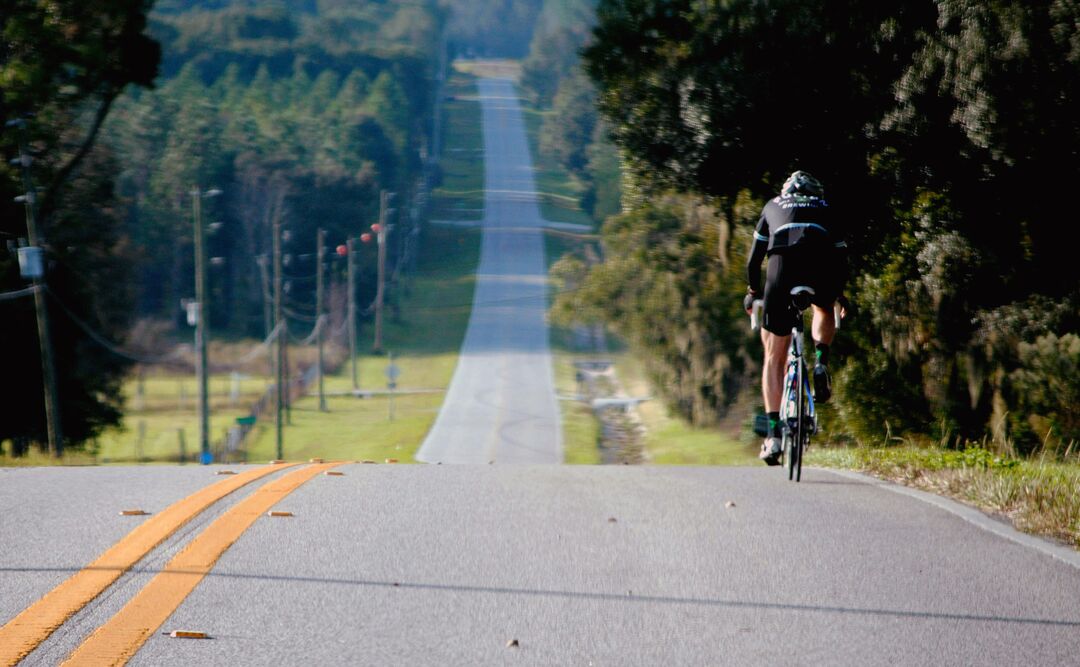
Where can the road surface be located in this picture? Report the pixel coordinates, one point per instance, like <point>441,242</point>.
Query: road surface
<point>619,565</point>
<point>501,403</point>
<point>520,564</point>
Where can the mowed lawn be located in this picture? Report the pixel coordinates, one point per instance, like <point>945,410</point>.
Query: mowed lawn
<point>424,341</point>
<point>460,193</point>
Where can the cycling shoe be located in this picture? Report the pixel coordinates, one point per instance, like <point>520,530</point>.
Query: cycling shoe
<point>771,450</point>
<point>822,384</point>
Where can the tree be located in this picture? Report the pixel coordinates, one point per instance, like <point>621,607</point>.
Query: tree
<point>932,123</point>
<point>63,65</point>
<point>61,58</point>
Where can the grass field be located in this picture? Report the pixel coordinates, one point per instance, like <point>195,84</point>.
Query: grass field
<point>460,195</point>
<point>161,421</point>
<point>424,336</point>
<point>560,192</point>
<point>424,341</point>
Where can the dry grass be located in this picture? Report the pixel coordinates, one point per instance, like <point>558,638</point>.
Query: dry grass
<point>1039,496</point>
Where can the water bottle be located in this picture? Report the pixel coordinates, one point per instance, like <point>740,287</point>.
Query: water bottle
<point>756,312</point>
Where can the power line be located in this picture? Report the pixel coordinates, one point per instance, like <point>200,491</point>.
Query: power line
<point>104,342</point>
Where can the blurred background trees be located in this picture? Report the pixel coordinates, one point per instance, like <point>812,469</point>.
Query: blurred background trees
<point>947,134</point>
<point>302,109</point>
<point>63,65</point>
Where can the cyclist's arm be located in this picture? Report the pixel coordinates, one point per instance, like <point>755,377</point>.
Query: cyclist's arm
<point>757,253</point>
<point>840,265</point>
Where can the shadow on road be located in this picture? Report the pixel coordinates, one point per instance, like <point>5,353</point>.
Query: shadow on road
<point>608,597</point>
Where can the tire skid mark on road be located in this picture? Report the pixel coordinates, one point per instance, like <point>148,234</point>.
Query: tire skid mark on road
<point>115,642</point>
<point>22,634</point>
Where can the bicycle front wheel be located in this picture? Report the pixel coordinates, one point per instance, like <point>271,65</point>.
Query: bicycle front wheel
<point>799,436</point>
<point>790,454</point>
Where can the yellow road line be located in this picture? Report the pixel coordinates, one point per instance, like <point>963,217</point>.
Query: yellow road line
<point>25,632</point>
<point>115,642</point>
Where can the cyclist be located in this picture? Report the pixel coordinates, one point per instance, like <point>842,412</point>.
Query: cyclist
<point>799,236</point>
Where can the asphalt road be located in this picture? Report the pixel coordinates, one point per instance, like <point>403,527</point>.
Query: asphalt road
<point>620,565</point>
<point>501,403</point>
<point>538,564</point>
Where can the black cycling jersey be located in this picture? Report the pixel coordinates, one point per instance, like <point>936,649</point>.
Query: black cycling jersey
<point>791,223</point>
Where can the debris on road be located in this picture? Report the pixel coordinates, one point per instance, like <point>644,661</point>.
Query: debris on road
<point>186,634</point>
<point>513,643</point>
<point>133,513</point>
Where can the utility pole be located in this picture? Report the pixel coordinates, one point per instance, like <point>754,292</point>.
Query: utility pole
<point>201,374</point>
<point>380,290</point>
<point>48,368</point>
<point>351,273</point>
<point>279,325</point>
<point>264,274</point>
<point>320,237</point>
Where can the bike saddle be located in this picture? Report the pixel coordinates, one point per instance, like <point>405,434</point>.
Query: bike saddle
<point>801,296</point>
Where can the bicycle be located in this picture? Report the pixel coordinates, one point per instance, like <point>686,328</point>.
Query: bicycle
<point>798,419</point>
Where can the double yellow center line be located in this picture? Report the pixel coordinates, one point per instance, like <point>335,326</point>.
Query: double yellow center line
<point>119,639</point>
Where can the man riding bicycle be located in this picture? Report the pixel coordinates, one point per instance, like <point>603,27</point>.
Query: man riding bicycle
<point>798,234</point>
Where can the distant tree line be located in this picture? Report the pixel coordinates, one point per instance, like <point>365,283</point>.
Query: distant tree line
<point>491,28</point>
<point>945,131</point>
<point>302,109</point>
<point>573,133</point>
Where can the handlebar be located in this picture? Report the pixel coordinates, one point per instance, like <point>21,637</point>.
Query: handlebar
<point>756,311</point>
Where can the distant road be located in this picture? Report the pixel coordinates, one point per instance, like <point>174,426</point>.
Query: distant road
<point>501,403</point>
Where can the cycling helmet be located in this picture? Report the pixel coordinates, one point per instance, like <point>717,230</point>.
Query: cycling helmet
<point>802,183</point>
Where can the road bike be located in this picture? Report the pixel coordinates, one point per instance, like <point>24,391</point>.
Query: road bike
<point>798,419</point>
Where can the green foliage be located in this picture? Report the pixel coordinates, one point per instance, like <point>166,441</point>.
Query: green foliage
<point>665,292</point>
<point>945,132</point>
<point>300,110</point>
<point>62,66</point>
<point>1047,382</point>
<point>314,113</point>
<point>561,30</point>
<point>567,133</point>
<point>572,134</point>
<point>494,28</point>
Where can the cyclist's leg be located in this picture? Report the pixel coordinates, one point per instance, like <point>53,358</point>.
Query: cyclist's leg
<point>775,336</point>
<point>824,325</point>
<point>773,370</point>
<point>776,326</point>
<point>823,329</point>
<point>825,277</point>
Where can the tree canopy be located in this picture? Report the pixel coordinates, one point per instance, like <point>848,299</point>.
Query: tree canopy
<point>946,131</point>
<point>63,64</point>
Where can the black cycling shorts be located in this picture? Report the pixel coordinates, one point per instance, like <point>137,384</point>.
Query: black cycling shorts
<point>817,269</point>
